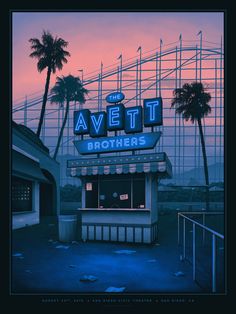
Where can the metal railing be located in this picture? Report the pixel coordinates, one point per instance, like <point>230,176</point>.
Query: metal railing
<point>213,233</point>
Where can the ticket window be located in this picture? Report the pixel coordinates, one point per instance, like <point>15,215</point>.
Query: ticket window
<point>122,191</point>
<point>115,194</point>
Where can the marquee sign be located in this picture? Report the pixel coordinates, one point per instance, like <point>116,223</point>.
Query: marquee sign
<point>117,117</point>
<point>115,97</point>
<point>117,143</point>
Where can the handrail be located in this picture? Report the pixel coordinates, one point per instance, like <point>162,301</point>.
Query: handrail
<point>203,213</point>
<point>204,228</point>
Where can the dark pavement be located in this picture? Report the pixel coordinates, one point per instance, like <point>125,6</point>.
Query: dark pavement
<point>43,268</point>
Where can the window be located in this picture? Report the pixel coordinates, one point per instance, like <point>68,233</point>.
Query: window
<point>122,191</point>
<point>92,194</point>
<point>21,195</point>
<point>139,193</point>
<point>115,193</point>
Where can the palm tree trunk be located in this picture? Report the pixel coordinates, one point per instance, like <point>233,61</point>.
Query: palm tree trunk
<point>45,96</point>
<point>204,162</point>
<point>62,130</point>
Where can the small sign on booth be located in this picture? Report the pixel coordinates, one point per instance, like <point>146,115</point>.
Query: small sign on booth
<point>124,197</point>
<point>89,186</point>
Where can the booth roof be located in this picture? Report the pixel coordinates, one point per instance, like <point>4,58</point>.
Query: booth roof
<point>157,162</point>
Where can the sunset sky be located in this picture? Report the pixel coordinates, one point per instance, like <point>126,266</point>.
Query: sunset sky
<point>94,37</point>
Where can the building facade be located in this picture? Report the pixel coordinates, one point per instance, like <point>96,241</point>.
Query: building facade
<point>35,179</point>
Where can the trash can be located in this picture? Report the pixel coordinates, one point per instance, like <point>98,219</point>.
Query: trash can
<point>67,228</point>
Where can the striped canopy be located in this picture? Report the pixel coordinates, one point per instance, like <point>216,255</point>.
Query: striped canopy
<point>158,162</point>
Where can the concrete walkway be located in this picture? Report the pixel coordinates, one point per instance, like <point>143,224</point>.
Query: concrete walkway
<point>40,266</point>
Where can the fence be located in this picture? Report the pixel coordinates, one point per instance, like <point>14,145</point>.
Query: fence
<point>209,249</point>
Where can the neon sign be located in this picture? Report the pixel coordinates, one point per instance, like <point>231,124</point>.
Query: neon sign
<point>115,97</point>
<point>117,117</point>
<point>152,111</point>
<point>117,143</point>
<point>98,124</point>
<point>133,119</point>
<point>81,121</point>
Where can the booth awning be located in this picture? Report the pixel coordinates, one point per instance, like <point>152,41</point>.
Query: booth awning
<point>25,167</point>
<point>158,162</point>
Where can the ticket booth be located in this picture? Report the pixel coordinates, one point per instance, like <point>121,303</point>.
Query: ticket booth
<point>119,196</point>
<point>119,193</point>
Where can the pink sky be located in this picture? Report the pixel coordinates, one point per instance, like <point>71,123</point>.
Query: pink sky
<point>95,37</point>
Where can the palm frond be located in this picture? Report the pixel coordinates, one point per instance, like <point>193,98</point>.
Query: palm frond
<point>68,88</point>
<point>42,64</point>
<point>191,101</point>
<point>35,43</point>
<point>36,54</point>
<point>50,50</point>
<point>61,42</point>
<point>47,38</point>
<point>57,98</point>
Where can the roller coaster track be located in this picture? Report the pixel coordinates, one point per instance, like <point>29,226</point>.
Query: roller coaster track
<point>156,73</point>
<point>126,66</point>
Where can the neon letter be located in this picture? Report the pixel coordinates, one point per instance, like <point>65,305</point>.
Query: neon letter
<point>97,123</point>
<point>97,145</point>
<point>142,140</point>
<point>132,113</point>
<point>114,113</point>
<point>90,145</point>
<point>81,123</point>
<point>151,106</point>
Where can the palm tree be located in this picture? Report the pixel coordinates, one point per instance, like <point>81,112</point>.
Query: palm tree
<point>50,55</point>
<point>192,102</point>
<point>68,88</point>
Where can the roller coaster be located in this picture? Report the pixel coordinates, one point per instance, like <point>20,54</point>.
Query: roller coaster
<point>149,74</point>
